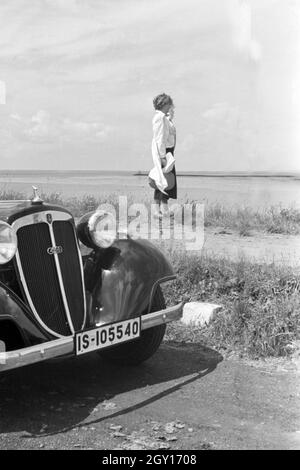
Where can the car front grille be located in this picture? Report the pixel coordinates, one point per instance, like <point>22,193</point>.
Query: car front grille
<point>70,269</point>
<point>52,283</point>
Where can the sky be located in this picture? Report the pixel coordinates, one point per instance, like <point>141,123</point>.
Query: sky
<point>77,79</point>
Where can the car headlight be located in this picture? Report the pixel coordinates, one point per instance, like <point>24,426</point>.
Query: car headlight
<point>102,228</point>
<point>8,242</point>
<point>97,228</point>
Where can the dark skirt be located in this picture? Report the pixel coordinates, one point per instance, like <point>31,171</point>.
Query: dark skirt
<point>171,193</point>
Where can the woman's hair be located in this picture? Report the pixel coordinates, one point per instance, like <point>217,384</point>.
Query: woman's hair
<point>161,100</point>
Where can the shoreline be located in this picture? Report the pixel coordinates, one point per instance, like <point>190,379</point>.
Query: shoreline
<point>217,174</point>
<point>227,192</point>
<point>197,173</point>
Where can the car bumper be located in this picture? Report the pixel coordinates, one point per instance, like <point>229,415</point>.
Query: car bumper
<point>65,346</point>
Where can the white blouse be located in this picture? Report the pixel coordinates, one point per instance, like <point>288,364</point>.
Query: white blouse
<point>164,133</point>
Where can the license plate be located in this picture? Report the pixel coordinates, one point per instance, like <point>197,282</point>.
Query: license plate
<point>107,335</point>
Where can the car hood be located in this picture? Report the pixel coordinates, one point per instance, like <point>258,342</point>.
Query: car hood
<point>10,210</point>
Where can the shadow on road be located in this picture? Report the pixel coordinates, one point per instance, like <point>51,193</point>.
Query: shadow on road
<point>48,398</point>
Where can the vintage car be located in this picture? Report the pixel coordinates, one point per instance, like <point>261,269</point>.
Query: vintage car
<point>56,301</point>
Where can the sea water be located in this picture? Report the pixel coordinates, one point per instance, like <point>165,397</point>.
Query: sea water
<point>226,189</point>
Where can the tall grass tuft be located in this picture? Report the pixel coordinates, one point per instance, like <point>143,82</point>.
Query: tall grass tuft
<point>273,219</point>
<point>9,195</point>
<point>261,304</point>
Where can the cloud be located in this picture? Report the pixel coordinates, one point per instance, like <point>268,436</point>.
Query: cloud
<point>75,29</point>
<point>43,128</point>
<point>40,128</point>
<point>69,5</point>
<point>43,28</point>
<point>96,63</point>
<point>90,131</point>
<point>15,116</point>
<point>220,112</point>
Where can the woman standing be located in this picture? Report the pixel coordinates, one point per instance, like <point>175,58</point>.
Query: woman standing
<point>163,145</point>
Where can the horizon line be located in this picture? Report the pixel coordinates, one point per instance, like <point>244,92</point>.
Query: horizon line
<point>145,172</point>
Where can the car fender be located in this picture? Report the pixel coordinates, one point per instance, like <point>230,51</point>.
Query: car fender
<point>123,279</point>
<point>13,309</point>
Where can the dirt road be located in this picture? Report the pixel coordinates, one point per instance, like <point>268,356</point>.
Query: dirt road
<point>258,247</point>
<point>185,397</point>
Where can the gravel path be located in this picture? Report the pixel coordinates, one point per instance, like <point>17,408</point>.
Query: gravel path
<point>185,397</point>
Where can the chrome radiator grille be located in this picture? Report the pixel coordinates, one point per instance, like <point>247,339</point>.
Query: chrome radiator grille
<point>71,270</point>
<point>52,279</point>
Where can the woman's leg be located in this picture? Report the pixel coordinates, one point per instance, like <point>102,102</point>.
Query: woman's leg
<point>157,202</point>
<point>164,205</point>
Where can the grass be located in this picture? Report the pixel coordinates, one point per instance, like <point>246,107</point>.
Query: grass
<point>7,195</point>
<point>244,220</point>
<point>261,314</point>
<point>261,304</point>
<point>274,219</point>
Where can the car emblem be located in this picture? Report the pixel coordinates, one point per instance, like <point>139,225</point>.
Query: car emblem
<point>52,250</point>
<point>49,218</point>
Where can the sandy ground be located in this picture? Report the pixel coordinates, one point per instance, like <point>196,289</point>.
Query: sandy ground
<point>258,247</point>
<point>184,397</point>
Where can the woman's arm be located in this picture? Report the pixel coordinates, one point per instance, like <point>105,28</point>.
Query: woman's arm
<point>160,135</point>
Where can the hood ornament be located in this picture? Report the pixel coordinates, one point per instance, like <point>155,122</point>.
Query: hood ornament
<point>36,198</point>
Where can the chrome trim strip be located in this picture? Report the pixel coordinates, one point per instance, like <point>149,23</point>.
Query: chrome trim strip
<point>60,280</point>
<point>25,287</point>
<point>37,353</point>
<point>39,217</point>
<point>82,279</point>
<point>65,345</point>
<point>80,264</point>
<point>170,277</point>
<point>162,316</point>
